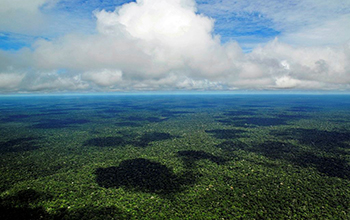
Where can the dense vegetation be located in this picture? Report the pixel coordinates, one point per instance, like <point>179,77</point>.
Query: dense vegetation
<point>175,157</point>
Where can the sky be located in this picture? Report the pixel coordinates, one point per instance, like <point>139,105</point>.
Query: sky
<point>88,46</point>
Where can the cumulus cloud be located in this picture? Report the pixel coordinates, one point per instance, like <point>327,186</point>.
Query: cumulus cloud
<point>322,64</point>
<point>104,77</point>
<point>145,40</point>
<point>168,45</point>
<point>53,81</point>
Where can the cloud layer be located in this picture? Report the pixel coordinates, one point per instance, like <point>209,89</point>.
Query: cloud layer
<point>167,45</point>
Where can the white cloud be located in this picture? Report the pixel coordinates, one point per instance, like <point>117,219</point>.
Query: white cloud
<point>167,45</point>
<point>10,80</point>
<point>140,51</point>
<point>287,82</point>
<point>21,15</point>
<point>323,64</point>
<point>52,82</point>
<point>103,77</point>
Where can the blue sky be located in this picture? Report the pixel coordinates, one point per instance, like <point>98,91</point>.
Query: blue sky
<point>250,22</point>
<point>150,45</point>
<point>246,27</point>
